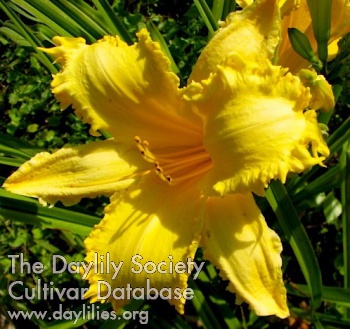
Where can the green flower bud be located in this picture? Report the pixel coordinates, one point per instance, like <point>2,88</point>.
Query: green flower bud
<point>302,46</point>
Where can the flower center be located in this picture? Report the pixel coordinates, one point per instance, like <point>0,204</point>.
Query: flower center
<point>176,166</point>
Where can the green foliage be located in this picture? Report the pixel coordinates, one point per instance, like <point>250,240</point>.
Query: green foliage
<point>28,106</point>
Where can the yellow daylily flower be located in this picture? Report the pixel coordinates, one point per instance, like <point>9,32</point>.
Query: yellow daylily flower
<point>183,163</point>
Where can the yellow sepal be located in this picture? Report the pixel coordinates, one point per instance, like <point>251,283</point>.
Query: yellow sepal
<point>73,173</point>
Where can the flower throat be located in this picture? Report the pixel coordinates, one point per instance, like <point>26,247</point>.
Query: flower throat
<point>175,167</point>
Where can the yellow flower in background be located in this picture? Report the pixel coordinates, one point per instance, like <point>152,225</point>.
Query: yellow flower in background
<point>301,20</point>
<point>296,14</point>
<point>183,163</point>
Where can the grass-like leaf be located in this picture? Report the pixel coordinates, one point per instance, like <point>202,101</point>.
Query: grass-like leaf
<point>17,148</point>
<point>202,307</point>
<point>10,31</point>
<point>217,9</point>
<point>345,198</point>
<point>329,294</point>
<point>85,16</point>
<point>222,308</point>
<point>330,180</point>
<point>207,16</point>
<point>157,36</point>
<point>10,162</point>
<point>28,35</point>
<point>288,218</point>
<point>30,211</point>
<point>112,20</point>
<point>229,6</point>
<point>48,14</point>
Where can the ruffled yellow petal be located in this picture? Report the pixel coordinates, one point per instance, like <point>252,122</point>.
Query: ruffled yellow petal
<point>156,222</point>
<point>238,242</point>
<point>72,173</point>
<point>286,6</point>
<point>252,32</point>
<point>256,128</point>
<point>244,3</point>
<point>125,90</point>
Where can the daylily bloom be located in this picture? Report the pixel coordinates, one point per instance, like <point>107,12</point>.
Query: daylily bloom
<point>183,163</point>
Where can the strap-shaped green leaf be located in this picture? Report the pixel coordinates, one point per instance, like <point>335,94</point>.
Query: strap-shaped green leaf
<point>16,148</point>
<point>221,8</point>
<point>217,9</point>
<point>157,36</point>
<point>28,35</point>
<point>330,180</point>
<point>320,11</point>
<point>30,211</point>
<point>229,7</point>
<point>345,198</point>
<point>209,277</point>
<point>202,307</point>
<point>207,16</point>
<point>86,17</point>
<point>115,25</point>
<point>288,218</point>
<point>329,294</point>
<point>10,30</point>
<point>49,17</point>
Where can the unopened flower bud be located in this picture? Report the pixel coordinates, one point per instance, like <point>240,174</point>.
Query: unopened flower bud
<point>321,90</point>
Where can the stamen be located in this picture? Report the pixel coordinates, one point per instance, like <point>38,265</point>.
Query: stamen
<point>193,160</point>
<point>143,147</point>
<point>149,157</point>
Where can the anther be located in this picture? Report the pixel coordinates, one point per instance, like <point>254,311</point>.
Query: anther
<point>149,157</point>
<point>158,167</point>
